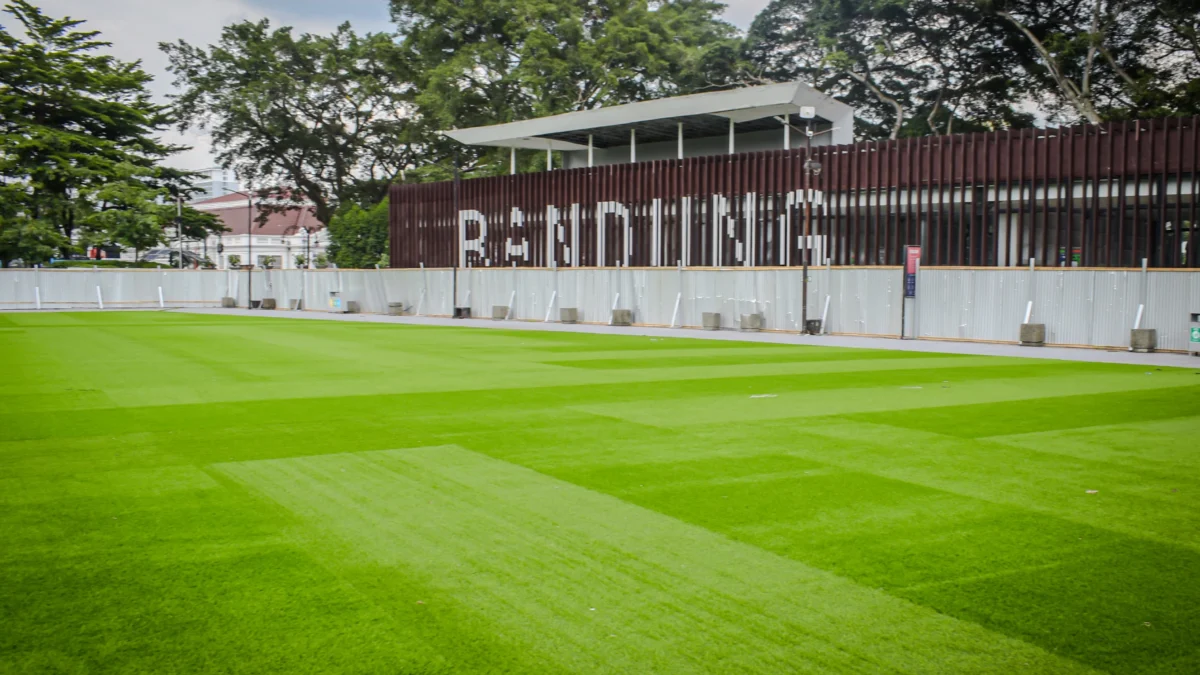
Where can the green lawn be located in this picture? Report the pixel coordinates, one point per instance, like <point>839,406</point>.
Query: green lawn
<point>186,493</point>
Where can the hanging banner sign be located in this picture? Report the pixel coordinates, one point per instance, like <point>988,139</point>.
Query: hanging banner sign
<point>912,260</point>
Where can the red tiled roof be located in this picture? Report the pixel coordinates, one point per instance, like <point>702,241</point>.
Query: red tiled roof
<point>284,223</point>
<point>231,197</point>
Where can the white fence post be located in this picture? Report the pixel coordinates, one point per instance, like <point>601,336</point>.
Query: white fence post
<point>99,297</point>
<point>161,303</point>
<point>37,297</point>
<point>550,307</point>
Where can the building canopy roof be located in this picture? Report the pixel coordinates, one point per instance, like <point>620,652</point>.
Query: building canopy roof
<point>707,114</point>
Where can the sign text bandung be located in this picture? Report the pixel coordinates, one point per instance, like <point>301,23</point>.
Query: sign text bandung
<point>563,226</point>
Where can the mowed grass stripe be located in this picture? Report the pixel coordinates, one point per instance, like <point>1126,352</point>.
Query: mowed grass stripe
<point>995,563</point>
<point>535,555</point>
<point>747,357</point>
<point>935,398</point>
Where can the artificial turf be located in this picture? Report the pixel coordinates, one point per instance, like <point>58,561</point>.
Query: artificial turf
<point>199,493</point>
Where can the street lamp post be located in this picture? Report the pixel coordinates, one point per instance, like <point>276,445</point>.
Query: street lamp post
<point>249,245</point>
<point>812,168</point>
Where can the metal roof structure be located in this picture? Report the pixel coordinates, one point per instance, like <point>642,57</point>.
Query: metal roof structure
<point>707,114</point>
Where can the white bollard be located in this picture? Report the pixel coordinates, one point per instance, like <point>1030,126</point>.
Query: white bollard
<point>161,303</point>
<point>99,298</point>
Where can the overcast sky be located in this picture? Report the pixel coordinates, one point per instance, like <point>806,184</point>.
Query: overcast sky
<point>135,27</point>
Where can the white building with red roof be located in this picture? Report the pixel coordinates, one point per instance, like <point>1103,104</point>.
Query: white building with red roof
<point>286,239</point>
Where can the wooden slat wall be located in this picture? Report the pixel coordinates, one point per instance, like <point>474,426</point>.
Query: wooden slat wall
<point>1096,196</point>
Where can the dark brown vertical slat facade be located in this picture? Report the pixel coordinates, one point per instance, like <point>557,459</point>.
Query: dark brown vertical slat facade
<point>976,199</point>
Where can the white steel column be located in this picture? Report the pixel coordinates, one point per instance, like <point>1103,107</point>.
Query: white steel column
<point>512,161</point>
<point>680,140</point>
<point>633,146</point>
<point>787,134</point>
<point>590,147</point>
<point>731,136</point>
<point>549,159</point>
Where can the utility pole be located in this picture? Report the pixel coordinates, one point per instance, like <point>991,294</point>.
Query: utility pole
<point>249,245</point>
<point>812,169</point>
<point>179,226</point>
<point>454,290</point>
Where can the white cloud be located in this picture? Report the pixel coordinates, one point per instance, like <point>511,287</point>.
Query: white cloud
<point>741,12</point>
<point>135,27</point>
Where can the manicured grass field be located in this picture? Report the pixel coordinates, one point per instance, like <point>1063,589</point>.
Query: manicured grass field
<point>185,493</point>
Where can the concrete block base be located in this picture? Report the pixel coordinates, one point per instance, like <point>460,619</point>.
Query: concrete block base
<point>622,317</point>
<point>1143,340</point>
<point>352,307</point>
<point>499,312</point>
<point>462,312</point>
<point>296,304</point>
<point>268,303</point>
<point>812,326</point>
<point>1033,334</point>
<point>751,322</point>
<point>568,314</point>
<point>228,302</point>
<point>395,309</point>
<point>711,320</point>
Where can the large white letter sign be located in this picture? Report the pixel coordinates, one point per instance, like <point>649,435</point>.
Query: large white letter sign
<point>512,250</point>
<point>620,211</point>
<point>477,245</point>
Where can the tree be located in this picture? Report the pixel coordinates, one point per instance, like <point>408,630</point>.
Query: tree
<point>358,236</point>
<point>79,160</point>
<point>1107,59</point>
<point>480,62</point>
<point>317,118</point>
<point>921,66</point>
<point>910,67</point>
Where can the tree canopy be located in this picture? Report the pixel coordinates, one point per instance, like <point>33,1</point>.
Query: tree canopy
<point>359,237</point>
<point>79,158</point>
<point>913,67</point>
<point>319,118</point>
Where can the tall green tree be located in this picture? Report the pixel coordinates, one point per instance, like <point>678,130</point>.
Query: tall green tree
<point>909,67</point>
<point>478,62</point>
<point>934,66</point>
<point>79,159</point>
<point>322,119</point>
<point>358,236</point>
<point>1106,59</point>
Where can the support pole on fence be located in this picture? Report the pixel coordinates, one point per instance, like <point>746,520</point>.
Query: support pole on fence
<point>421,300</point>
<point>99,298</point>
<point>512,299</point>
<point>1145,283</point>
<point>550,307</point>
<point>675,314</point>
<point>825,315</point>
<point>1028,311</point>
<point>1137,323</point>
<point>616,299</point>
<point>161,303</point>
<point>37,297</point>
